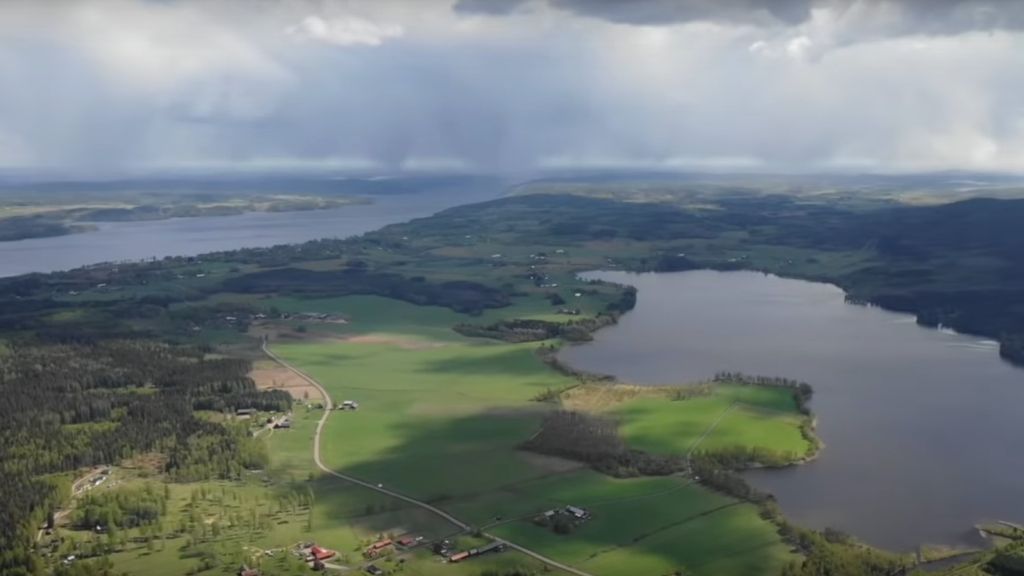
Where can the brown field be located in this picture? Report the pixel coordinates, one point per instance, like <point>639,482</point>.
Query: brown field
<point>396,341</point>
<point>269,375</point>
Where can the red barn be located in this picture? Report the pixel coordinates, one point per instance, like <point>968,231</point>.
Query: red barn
<point>459,556</point>
<point>321,553</point>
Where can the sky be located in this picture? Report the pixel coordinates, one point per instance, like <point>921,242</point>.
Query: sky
<point>97,87</point>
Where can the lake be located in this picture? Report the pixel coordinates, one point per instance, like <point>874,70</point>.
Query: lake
<point>922,427</point>
<point>116,241</point>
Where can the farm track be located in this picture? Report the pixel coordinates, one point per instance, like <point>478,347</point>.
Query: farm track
<point>380,489</point>
<point>711,428</point>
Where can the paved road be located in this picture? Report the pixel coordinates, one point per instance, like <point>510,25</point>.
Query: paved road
<point>378,488</point>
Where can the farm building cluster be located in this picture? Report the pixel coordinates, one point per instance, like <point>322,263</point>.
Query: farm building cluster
<point>314,555</point>
<point>387,546</point>
<point>563,520</point>
<point>319,558</point>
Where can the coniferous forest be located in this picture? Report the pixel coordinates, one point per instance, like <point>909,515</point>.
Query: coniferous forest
<point>64,406</point>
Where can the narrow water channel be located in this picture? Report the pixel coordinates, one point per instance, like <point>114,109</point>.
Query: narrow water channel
<point>922,427</point>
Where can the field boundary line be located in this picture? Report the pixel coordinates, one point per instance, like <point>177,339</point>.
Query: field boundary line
<point>380,489</point>
<point>711,428</point>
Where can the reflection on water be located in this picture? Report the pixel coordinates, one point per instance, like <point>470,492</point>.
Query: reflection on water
<point>922,428</point>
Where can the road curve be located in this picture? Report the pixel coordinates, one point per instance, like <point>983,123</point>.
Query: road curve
<point>419,503</point>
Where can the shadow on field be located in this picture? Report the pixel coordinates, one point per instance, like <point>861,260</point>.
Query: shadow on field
<point>442,461</point>
<point>470,467</point>
<point>508,362</point>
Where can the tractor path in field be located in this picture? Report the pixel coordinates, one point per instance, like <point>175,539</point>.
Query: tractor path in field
<point>379,488</point>
<point>696,443</point>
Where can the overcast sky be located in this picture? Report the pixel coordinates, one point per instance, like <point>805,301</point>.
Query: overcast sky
<point>109,87</point>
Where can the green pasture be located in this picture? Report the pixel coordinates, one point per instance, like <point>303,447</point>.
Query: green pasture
<point>440,419</point>
<point>651,526</point>
<point>434,421</point>
<point>735,415</point>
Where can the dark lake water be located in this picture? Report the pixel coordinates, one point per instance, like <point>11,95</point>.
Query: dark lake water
<point>924,429</point>
<point>189,236</point>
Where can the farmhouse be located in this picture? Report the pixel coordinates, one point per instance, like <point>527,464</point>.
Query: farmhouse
<point>321,554</point>
<point>577,513</point>
<point>378,548</point>
<point>409,541</point>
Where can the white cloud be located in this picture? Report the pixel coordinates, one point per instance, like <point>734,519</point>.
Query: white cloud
<point>345,30</point>
<point>154,46</point>
<point>798,47</point>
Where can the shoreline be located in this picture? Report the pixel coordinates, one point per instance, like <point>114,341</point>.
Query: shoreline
<point>818,444</point>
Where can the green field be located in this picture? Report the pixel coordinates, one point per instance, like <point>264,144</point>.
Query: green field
<point>440,419</point>
<point>652,526</point>
<point>736,415</point>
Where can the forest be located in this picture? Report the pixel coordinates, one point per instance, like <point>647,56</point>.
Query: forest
<point>459,295</point>
<point>64,406</point>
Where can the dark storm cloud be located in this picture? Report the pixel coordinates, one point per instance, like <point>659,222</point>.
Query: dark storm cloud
<point>673,11</point>
<point>888,17</point>
<point>954,16</point>
<point>654,12</point>
<point>492,7</point>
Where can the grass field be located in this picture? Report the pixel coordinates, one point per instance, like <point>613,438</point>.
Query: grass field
<point>708,416</point>
<point>653,526</point>
<point>440,419</point>
<point>739,415</point>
